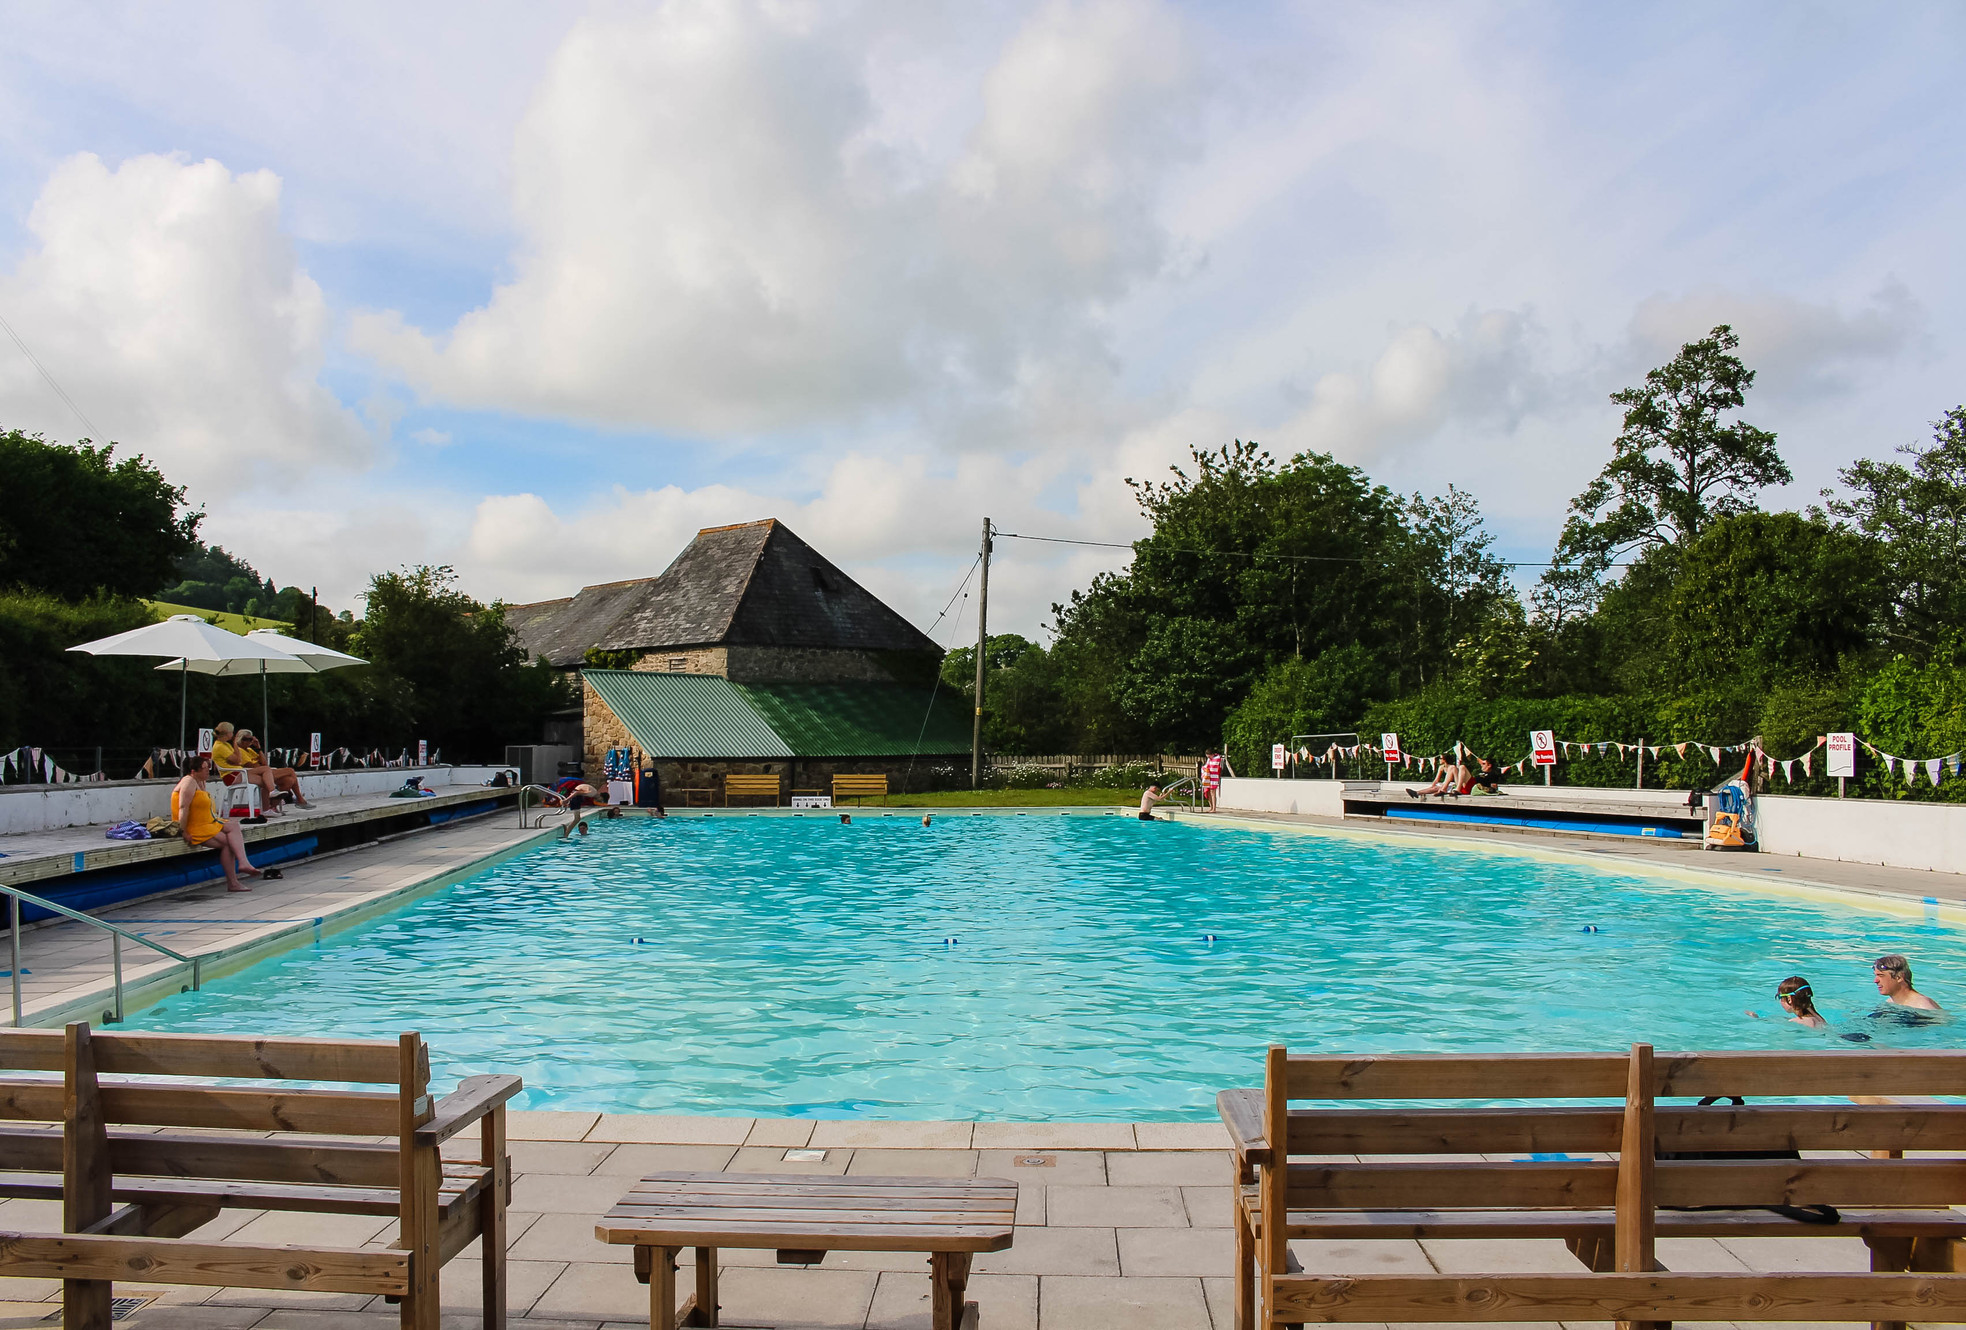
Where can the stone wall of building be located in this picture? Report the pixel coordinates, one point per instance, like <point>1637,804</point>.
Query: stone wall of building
<point>687,660</point>
<point>600,730</point>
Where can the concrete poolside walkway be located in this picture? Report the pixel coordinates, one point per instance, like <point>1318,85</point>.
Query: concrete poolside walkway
<point>1915,884</point>
<point>67,967</point>
<point>1119,1227</point>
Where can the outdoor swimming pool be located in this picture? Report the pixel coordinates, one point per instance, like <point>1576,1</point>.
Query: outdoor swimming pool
<point>1045,967</point>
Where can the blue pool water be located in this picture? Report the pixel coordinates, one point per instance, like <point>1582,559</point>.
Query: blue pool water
<point>1045,967</point>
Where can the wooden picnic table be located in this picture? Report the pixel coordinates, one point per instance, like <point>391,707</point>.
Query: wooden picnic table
<point>803,1216</point>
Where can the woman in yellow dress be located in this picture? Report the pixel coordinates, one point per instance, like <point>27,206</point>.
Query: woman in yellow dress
<point>192,809</point>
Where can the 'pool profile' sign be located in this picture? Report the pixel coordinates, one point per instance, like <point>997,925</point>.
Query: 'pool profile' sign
<point>1542,743</point>
<point>1842,755</point>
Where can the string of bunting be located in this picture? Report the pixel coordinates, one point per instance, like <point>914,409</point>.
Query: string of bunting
<point>28,765</point>
<point>1935,769</point>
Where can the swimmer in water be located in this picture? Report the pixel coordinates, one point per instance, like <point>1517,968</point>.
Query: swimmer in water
<point>1893,977</point>
<point>1148,798</point>
<point>1798,999</point>
<point>925,819</point>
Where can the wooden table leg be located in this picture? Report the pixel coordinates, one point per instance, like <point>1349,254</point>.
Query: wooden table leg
<point>701,1309</point>
<point>948,1276</point>
<point>662,1288</point>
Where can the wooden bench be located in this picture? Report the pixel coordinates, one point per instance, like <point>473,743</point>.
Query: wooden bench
<point>752,787</point>
<point>140,1161</point>
<point>859,787</point>
<point>803,1216</point>
<point>1502,1172</point>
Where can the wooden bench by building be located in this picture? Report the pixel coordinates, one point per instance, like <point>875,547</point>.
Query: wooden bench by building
<point>752,787</point>
<point>859,787</point>
<point>142,1160</point>
<point>1647,1171</point>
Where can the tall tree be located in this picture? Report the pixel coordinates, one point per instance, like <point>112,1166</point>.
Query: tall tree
<point>1919,512</point>
<point>1676,467</point>
<point>76,521</point>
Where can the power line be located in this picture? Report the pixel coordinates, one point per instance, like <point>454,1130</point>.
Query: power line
<point>32,360</point>
<point>1244,554</point>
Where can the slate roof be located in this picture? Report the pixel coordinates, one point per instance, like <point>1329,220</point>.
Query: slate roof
<point>757,584</point>
<point>707,716</point>
<point>562,630</point>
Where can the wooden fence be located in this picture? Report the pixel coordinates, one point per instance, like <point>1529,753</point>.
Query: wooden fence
<point>1071,763</point>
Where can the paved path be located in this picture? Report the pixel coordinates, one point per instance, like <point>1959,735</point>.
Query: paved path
<point>1760,869</point>
<point>66,966</point>
<point>1118,1228</point>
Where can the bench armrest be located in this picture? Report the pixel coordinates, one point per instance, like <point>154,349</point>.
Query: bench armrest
<point>474,1097</point>
<point>1242,1113</point>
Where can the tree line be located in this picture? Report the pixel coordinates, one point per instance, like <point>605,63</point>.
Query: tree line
<point>87,537</point>
<point>1274,598</point>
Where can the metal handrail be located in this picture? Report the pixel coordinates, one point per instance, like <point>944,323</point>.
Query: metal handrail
<point>543,807</point>
<point>116,935</point>
<point>1193,791</point>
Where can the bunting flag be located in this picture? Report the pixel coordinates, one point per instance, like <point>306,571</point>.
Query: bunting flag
<point>1804,759</point>
<point>1681,749</point>
<point>1788,770</point>
<point>1932,770</point>
<point>1716,755</point>
<point>1890,764</point>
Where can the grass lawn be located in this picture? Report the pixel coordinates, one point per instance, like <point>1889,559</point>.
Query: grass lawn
<point>1010,799</point>
<point>231,623</point>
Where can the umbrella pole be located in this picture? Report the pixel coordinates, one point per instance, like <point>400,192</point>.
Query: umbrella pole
<point>183,698</point>
<point>265,715</point>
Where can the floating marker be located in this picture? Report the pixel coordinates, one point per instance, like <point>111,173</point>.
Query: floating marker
<point>1208,937</point>
<point>1591,928</point>
<point>637,941</point>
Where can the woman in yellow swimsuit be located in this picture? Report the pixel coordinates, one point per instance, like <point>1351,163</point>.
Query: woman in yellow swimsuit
<point>192,809</point>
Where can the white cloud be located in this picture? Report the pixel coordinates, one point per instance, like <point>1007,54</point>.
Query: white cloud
<point>1799,349</point>
<point>718,238</point>
<point>166,301</point>
<point>432,438</point>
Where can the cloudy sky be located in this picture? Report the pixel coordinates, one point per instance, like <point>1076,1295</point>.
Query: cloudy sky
<point>538,291</point>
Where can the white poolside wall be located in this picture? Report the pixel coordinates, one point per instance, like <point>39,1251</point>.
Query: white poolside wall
<point>1858,831</point>
<point>52,807</point>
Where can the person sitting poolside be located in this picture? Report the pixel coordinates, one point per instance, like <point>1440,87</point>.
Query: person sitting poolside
<point>230,758</point>
<point>1892,975</point>
<point>1453,779</point>
<point>192,809</point>
<point>1488,777</point>
<point>286,779</point>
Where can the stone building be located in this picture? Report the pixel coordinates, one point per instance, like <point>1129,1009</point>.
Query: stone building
<point>751,652</point>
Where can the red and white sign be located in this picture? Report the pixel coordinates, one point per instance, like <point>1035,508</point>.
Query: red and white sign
<point>423,752</point>
<point>314,749</point>
<point>1543,744</point>
<point>1842,755</point>
<point>1390,744</point>
<point>1276,757</point>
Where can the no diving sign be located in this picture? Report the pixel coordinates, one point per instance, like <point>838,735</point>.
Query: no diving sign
<point>1542,743</point>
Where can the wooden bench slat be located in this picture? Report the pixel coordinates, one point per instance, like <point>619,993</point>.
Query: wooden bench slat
<point>1595,1130</point>
<point>1622,1297</point>
<point>800,1217</point>
<point>1590,1183</point>
<point>836,1237</point>
<point>1356,1225</point>
<point>180,1261</point>
<point>1602,1075</point>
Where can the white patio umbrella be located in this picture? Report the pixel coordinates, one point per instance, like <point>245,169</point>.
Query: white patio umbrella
<point>187,641</point>
<point>302,658</point>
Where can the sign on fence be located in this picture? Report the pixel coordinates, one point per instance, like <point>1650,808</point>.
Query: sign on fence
<point>314,749</point>
<point>1542,743</point>
<point>1842,755</point>
<point>205,738</point>
<point>812,801</point>
<point>1276,757</point>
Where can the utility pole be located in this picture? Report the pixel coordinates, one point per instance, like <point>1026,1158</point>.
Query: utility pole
<point>982,643</point>
<point>314,615</point>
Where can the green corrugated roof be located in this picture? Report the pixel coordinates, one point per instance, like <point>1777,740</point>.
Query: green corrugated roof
<point>860,719</point>
<point>687,715</point>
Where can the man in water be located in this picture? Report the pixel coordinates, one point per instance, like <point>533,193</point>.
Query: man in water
<point>1148,798</point>
<point>1893,976</point>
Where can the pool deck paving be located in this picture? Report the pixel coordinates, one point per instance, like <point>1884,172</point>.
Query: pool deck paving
<point>1119,1225</point>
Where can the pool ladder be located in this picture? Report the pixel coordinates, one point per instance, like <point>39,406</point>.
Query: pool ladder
<point>544,809</point>
<point>116,935</point>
